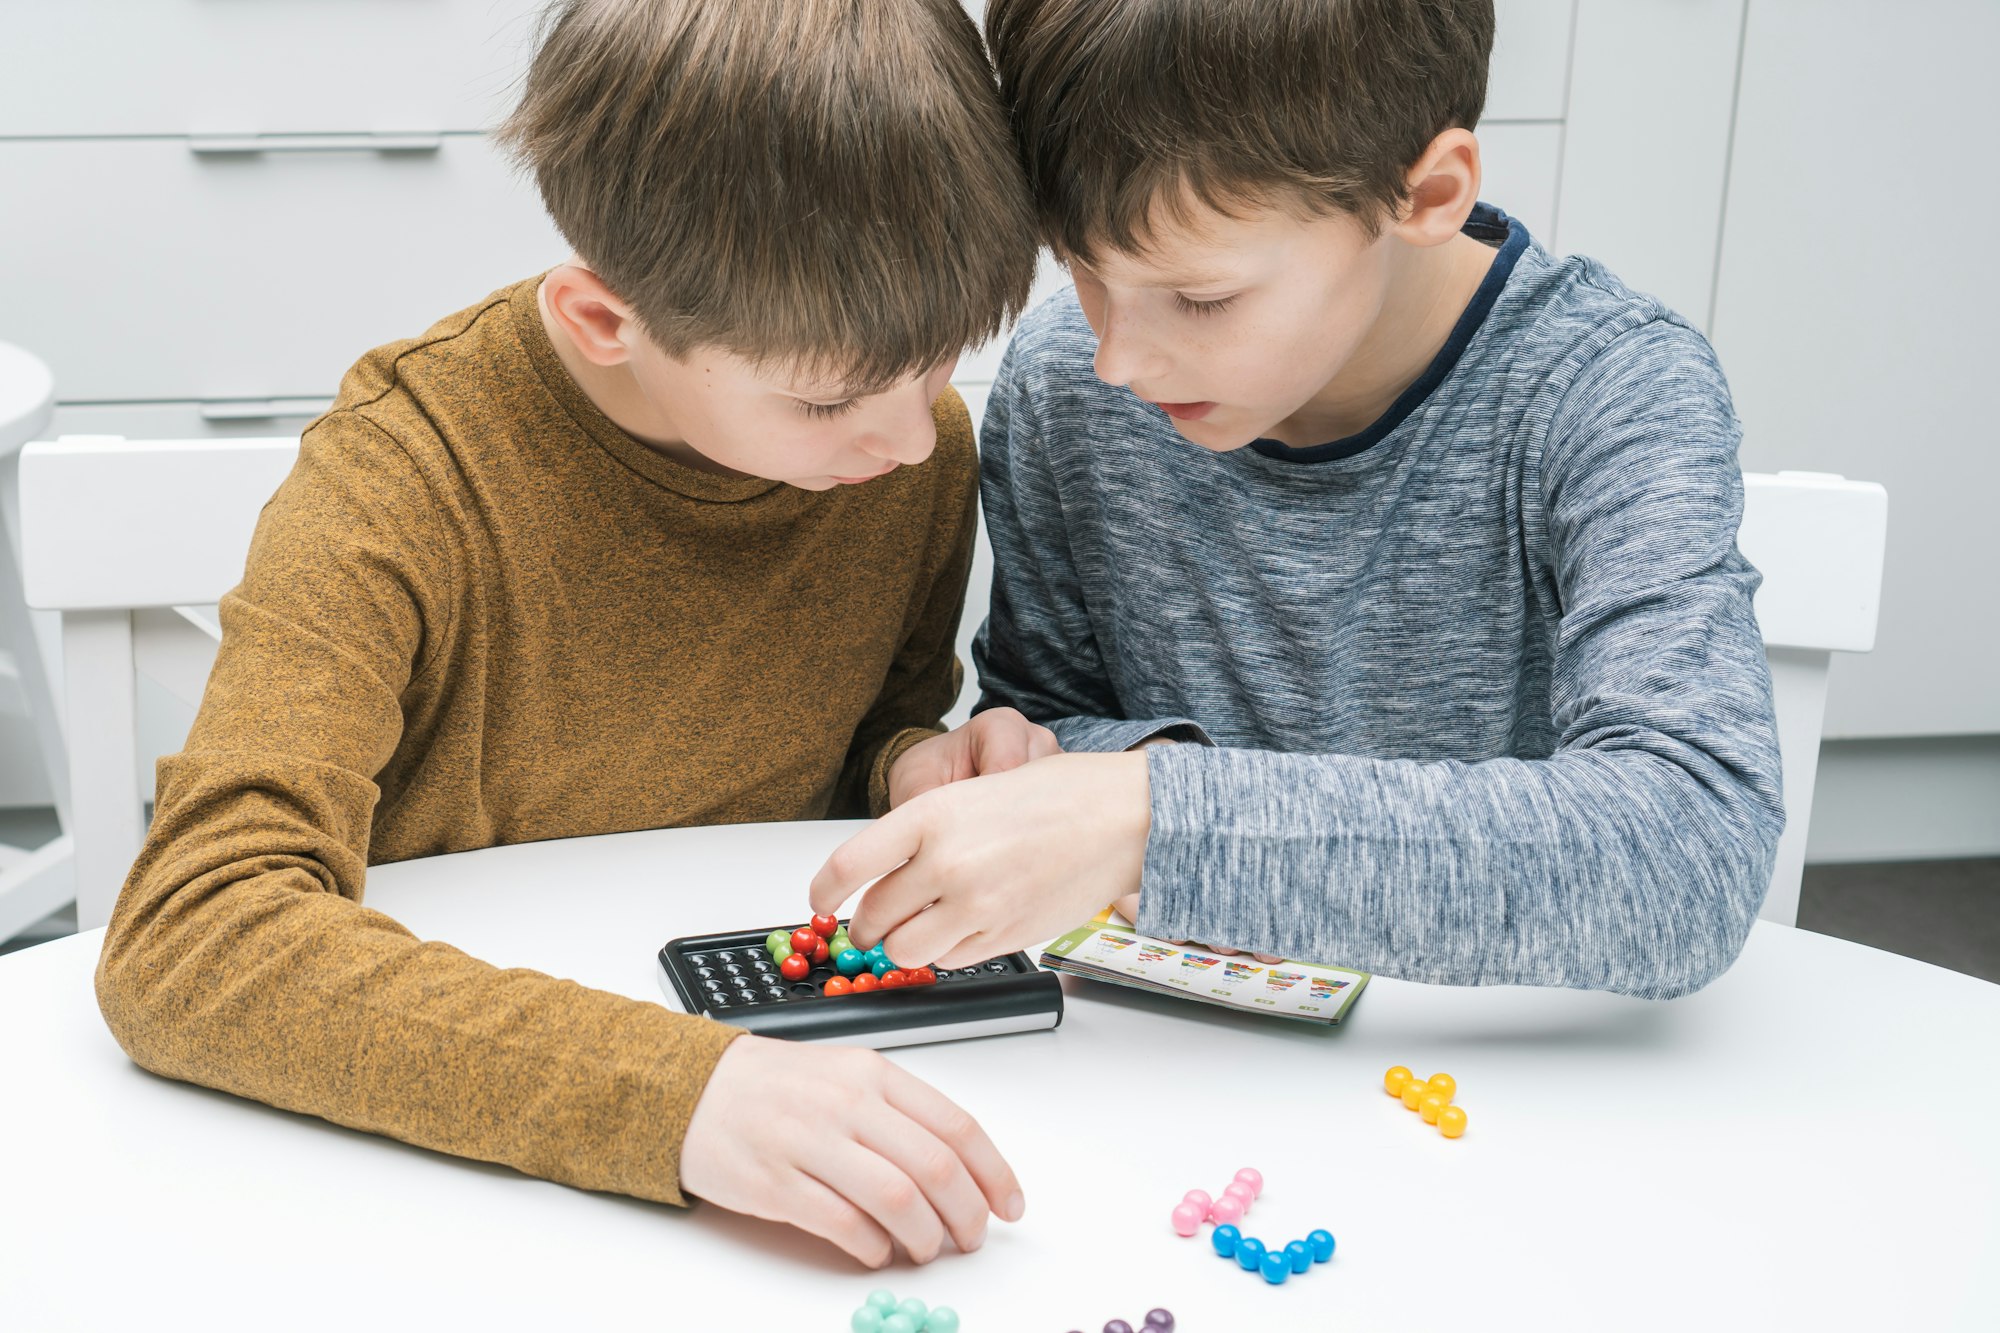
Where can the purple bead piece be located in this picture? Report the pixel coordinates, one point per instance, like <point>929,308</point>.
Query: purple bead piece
<point>1161,1320</point>
<point>1118,1326</point>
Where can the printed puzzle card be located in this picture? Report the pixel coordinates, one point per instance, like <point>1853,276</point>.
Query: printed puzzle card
<point>1106,949</point>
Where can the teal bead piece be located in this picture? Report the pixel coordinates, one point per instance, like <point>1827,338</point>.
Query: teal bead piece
<point>899,1323</point>
<point>943,1319</point>
<point>880,966</point>
<point>882,1299</point>
<point>849,961</point>
<point>867,1319</point>
<point>914,1308</point>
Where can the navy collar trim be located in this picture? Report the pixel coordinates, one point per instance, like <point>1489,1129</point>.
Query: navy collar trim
<point>1486,223</point>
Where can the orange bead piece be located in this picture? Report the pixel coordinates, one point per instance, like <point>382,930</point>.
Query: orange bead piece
<point>866,982</point>
<point>1393,1081</point>
<point>1445,1085</point>
<point>837,986</point>
<point>1413,1092</point>
<point>1429,1105</point>
<point>1451,1121</point>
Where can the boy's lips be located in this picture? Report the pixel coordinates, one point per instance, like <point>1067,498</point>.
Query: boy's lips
<point>1186,411</point>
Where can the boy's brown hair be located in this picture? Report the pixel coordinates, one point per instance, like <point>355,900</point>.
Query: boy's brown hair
<point>826,185</point>
<point>1126,111</point>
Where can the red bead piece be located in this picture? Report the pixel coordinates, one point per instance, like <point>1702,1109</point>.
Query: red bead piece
<point>803,940</point>
<point>924,976</point>
<point>826,926</point>
<point>895,977</point>
<point>820,954</point>
<point>795,967</point>
<point>865,982</point>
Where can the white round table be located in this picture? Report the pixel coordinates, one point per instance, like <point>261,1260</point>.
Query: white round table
<point>1807,1144</point>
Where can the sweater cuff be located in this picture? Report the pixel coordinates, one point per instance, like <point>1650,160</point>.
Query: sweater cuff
<point>885,759</point>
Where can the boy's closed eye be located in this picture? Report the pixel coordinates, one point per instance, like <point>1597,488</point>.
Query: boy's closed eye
<point>828,410</point>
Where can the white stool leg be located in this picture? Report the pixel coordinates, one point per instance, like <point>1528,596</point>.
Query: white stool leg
<point>107,817</point>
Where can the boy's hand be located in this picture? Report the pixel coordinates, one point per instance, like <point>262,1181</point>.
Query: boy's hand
<point>888,1159</point>
<point>995,865</point>
<point>1128,907</point>
<point>993,742</point>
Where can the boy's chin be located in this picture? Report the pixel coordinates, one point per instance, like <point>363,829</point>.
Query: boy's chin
<point>1216,437</point>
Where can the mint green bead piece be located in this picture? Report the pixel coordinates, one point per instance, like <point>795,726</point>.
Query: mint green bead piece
<point>778,944</point>
<point>914,1308</point>
<point>867,1319</point>
<point>943,1319</point>
<point>882,1299</point>
<point>899,1323</point>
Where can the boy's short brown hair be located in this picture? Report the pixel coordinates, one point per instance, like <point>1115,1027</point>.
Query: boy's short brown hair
<point>822,184</point>
<point>1125,110</point>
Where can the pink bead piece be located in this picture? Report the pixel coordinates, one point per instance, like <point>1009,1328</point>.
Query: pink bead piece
<point>1187,1219</point>
<point>1240,1192</point>
<point>1200,1199</point>
<point>1226,1210</point>
<point>1252,1177</point>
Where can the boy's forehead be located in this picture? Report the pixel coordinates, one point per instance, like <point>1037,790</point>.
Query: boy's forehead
<point>1195,245</point>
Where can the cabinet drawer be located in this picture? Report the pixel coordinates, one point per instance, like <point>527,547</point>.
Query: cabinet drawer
<point>1521,167</point>
<point>147,272</point>
<point>115,67</point>
<point>1529,76</point>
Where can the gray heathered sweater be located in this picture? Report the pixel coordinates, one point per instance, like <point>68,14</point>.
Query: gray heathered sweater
<point>1485,699</point>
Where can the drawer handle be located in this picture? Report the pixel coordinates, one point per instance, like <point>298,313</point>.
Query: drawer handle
<point>233,145</point>
<point>262,409</point>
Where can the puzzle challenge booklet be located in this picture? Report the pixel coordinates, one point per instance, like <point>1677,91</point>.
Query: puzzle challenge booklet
<point>1106,949</point>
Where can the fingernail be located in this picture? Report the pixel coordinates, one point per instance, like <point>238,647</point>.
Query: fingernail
<point>1016,1205</point>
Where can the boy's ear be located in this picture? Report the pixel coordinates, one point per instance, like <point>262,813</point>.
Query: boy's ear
<point>1444,185</point>
<point>599,325</point>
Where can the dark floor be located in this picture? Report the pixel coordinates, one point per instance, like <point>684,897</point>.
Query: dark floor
<point>1943,912</point>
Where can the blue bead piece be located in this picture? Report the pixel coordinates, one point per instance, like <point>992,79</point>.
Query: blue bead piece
<point>1224,1238</point>
<point>1276,1267</point>
<point>1300,1255</point>
<point>1322,1243</point>
<point>1250,1253</point>
<point>849,961</point>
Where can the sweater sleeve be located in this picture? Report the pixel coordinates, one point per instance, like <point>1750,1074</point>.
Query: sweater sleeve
<point>925,676</point>
<point>1632,859</point>
<point>240,955</point>
<point>1037,651</point>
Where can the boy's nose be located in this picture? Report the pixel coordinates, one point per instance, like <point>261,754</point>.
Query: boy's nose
<point>908,440</point>
<point>1122,359</point>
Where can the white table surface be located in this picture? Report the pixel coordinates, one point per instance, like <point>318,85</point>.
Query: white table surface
<point>1810,1143</point>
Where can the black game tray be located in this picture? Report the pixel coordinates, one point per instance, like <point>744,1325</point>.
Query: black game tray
<point>732,979</point>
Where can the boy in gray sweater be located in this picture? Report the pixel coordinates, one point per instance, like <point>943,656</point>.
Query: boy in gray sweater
<point>1375,568</point>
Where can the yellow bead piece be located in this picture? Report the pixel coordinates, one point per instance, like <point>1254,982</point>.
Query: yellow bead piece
<point>1429,1105</point>
<point>1412,1092</point>
<point>1451,1121</point>
<point>1445,1085</point>
<point>1394,1080</point>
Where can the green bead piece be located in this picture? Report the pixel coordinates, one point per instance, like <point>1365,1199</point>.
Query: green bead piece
<point>867,1319</point>
<point>943,1319</point>
<point>914,1308</point>
<point>778,942</point>
<point>899,1323</point>
<point>882,1299</point>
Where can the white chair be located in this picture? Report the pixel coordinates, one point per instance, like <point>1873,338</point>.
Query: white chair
<point>132,541</point>
<point>33,883</point>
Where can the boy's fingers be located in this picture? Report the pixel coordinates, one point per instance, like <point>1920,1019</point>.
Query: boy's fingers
<point>897,900</point>
<point>869,854</point>
<point>879,1188</point>
<point>937,1170</point>
<point>812,1206</point>
<point>1128,907</point>
<point>974,948</point>
<point>1001,748</point>
<point>962,1134</point>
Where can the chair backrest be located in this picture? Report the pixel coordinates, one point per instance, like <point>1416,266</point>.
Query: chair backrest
<point>1818,540</point>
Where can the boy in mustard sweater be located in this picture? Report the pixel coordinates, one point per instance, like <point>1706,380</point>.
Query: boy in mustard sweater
<point>676,533</point>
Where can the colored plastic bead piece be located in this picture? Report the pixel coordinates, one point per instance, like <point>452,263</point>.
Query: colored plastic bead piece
<point>837,986</point>
<point>795,967</point>
<point>1228,1208</point>
<point>1322,1243</point>
<point>882,1299</point>
<point>1429,1105</point>
<point>898,1322</point>
<point>943,1319</point>
<point>1187,1219</point>
<point>1393,1081</point>
<point>1161,1320</point>
<point>825,926</point>
<point>1300,1254</point>
<point>1413,1092</point>
<point>895,979</point>
<point>776,942</point>
<point>866,982</point>
<point>1118,1326</point>
<point>1240,1192</point>
<point>867,1319</point>
<point>1277,1266</point>
<point>1451,1121</point>
<point>881,967</point>
<point>821,954</point>
<point>803,940</point>
<point>1444,1084</point>
<point>1250,1253</point>
<point>1253,1178</point>
<point>1224,1239</point>
<point>924,976</point>
<point>914,1308</point>
<point>849,961</point>
<point>1199,1198</point>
